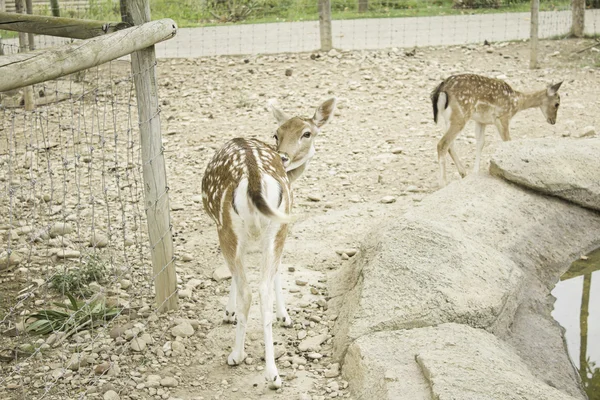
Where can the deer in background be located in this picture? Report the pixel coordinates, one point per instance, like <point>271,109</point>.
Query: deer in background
<point>486,101</point>
<point>247,191</point>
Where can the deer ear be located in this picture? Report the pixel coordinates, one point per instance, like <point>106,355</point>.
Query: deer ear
<point>324,112</point>
<point>552,89</point>
<point>279,115</point>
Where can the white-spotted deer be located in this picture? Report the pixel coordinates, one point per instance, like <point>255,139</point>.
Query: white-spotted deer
<point>487,101</point>
<point>247,191</point>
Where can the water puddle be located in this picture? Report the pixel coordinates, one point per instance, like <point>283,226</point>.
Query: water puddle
<point>577,309</point>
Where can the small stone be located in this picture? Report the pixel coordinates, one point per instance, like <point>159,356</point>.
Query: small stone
<point>184,329</point>
<point>67,253</point>
<point>102,369</point>
<point>137,344</point>
<point>412,188</point>
<point>333,53</point>
<point>397,150</point>
<point>588,131</point>
<point>348,252</point>
<point>289,72</point>
<point>111,395</point>
<point>314,197</point>
<point>279,351</point>
<point>299,360</point>
<point>314,356</point>
<point>118,331</point>
<point>301,282</point>
<point>98,240</point>
<point>314,290</point>
<point>249,360</point>
<point>6,261</point>
<point>193,283</point>
<point>197,198</point>
<point>187,257</point>
<point>387,200</point>
<point>185,293</point>
<point>312,343</point>
<point>125,284</point>
<point>176,207</point>
<point>221,273</point>
<point>60,229</point>
<point>301,334</point>
<point>332,371</point>
<point>178,347</point>
<point>169,382</point>
<point>334,386</point>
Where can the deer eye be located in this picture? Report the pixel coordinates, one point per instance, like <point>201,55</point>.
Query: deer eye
<point>556,105</point>
<point>306,135</point>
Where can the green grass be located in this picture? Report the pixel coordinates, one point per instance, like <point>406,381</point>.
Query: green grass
<point>192,13</point>
<point>76,279</point>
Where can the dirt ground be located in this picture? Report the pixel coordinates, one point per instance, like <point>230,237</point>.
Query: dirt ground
<point>381,143</point>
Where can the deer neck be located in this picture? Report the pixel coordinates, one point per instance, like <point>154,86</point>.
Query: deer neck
<point>530,100</point>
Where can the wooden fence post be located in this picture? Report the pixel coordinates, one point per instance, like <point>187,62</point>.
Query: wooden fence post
<point>2,5</point>
<point>55,8</point>
<point>325,24</point>
<point>578,8</point>
<point>143,66</point>
<point>535,10</point>
<point>28,98</point>
<point>363,6</point>
<point>29,6</point>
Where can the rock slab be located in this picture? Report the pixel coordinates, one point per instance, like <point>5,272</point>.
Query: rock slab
<point>450,361</point>
<point>569,168</point>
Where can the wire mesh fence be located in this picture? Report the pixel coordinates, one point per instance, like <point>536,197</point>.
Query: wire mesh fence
<point>235,27</point>
<point>74,258</point>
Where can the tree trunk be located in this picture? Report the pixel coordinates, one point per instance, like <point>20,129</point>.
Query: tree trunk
<point>578,18</point>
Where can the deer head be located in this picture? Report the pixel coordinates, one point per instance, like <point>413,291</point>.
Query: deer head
<point>294,138</point>
<point>551,102</point>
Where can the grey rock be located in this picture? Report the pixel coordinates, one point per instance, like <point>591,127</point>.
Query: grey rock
<point>169,381</point>
<point>67,253</point>
<point>387,199</point>
<point>184,329</point>
<point>312,343</point>
<point>588,131</point>
<point>566,168</point>
<point>6,261</point>
<point>450,361</point>
<point>221,273</point>
<point>111,395</point>
<point>60,229</point>
<point>98,240</point>
<point>138,344</point>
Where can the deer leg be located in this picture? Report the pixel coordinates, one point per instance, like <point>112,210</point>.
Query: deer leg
<point>443,146</point>
<point>230,309</point>
<point>502,126</point>
<point>480,140</point>
<point>272,249</point>
<point>459,166</point>
<point>282,314</point>
<point>233,248</point>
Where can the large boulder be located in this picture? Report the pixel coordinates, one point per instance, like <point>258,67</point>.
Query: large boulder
<point>445,362</point>
<point>416,273</point>
<point>568,168</point>
<point>482,252</point>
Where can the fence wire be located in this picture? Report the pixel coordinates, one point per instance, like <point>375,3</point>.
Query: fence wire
<point>241,27</point>
<point>74,253</point>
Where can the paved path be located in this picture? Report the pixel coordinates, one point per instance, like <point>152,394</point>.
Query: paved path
<point>371,33</point>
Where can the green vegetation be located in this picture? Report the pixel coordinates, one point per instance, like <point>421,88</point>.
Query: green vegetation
<point>71,318</point>
<point>76,279</point>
